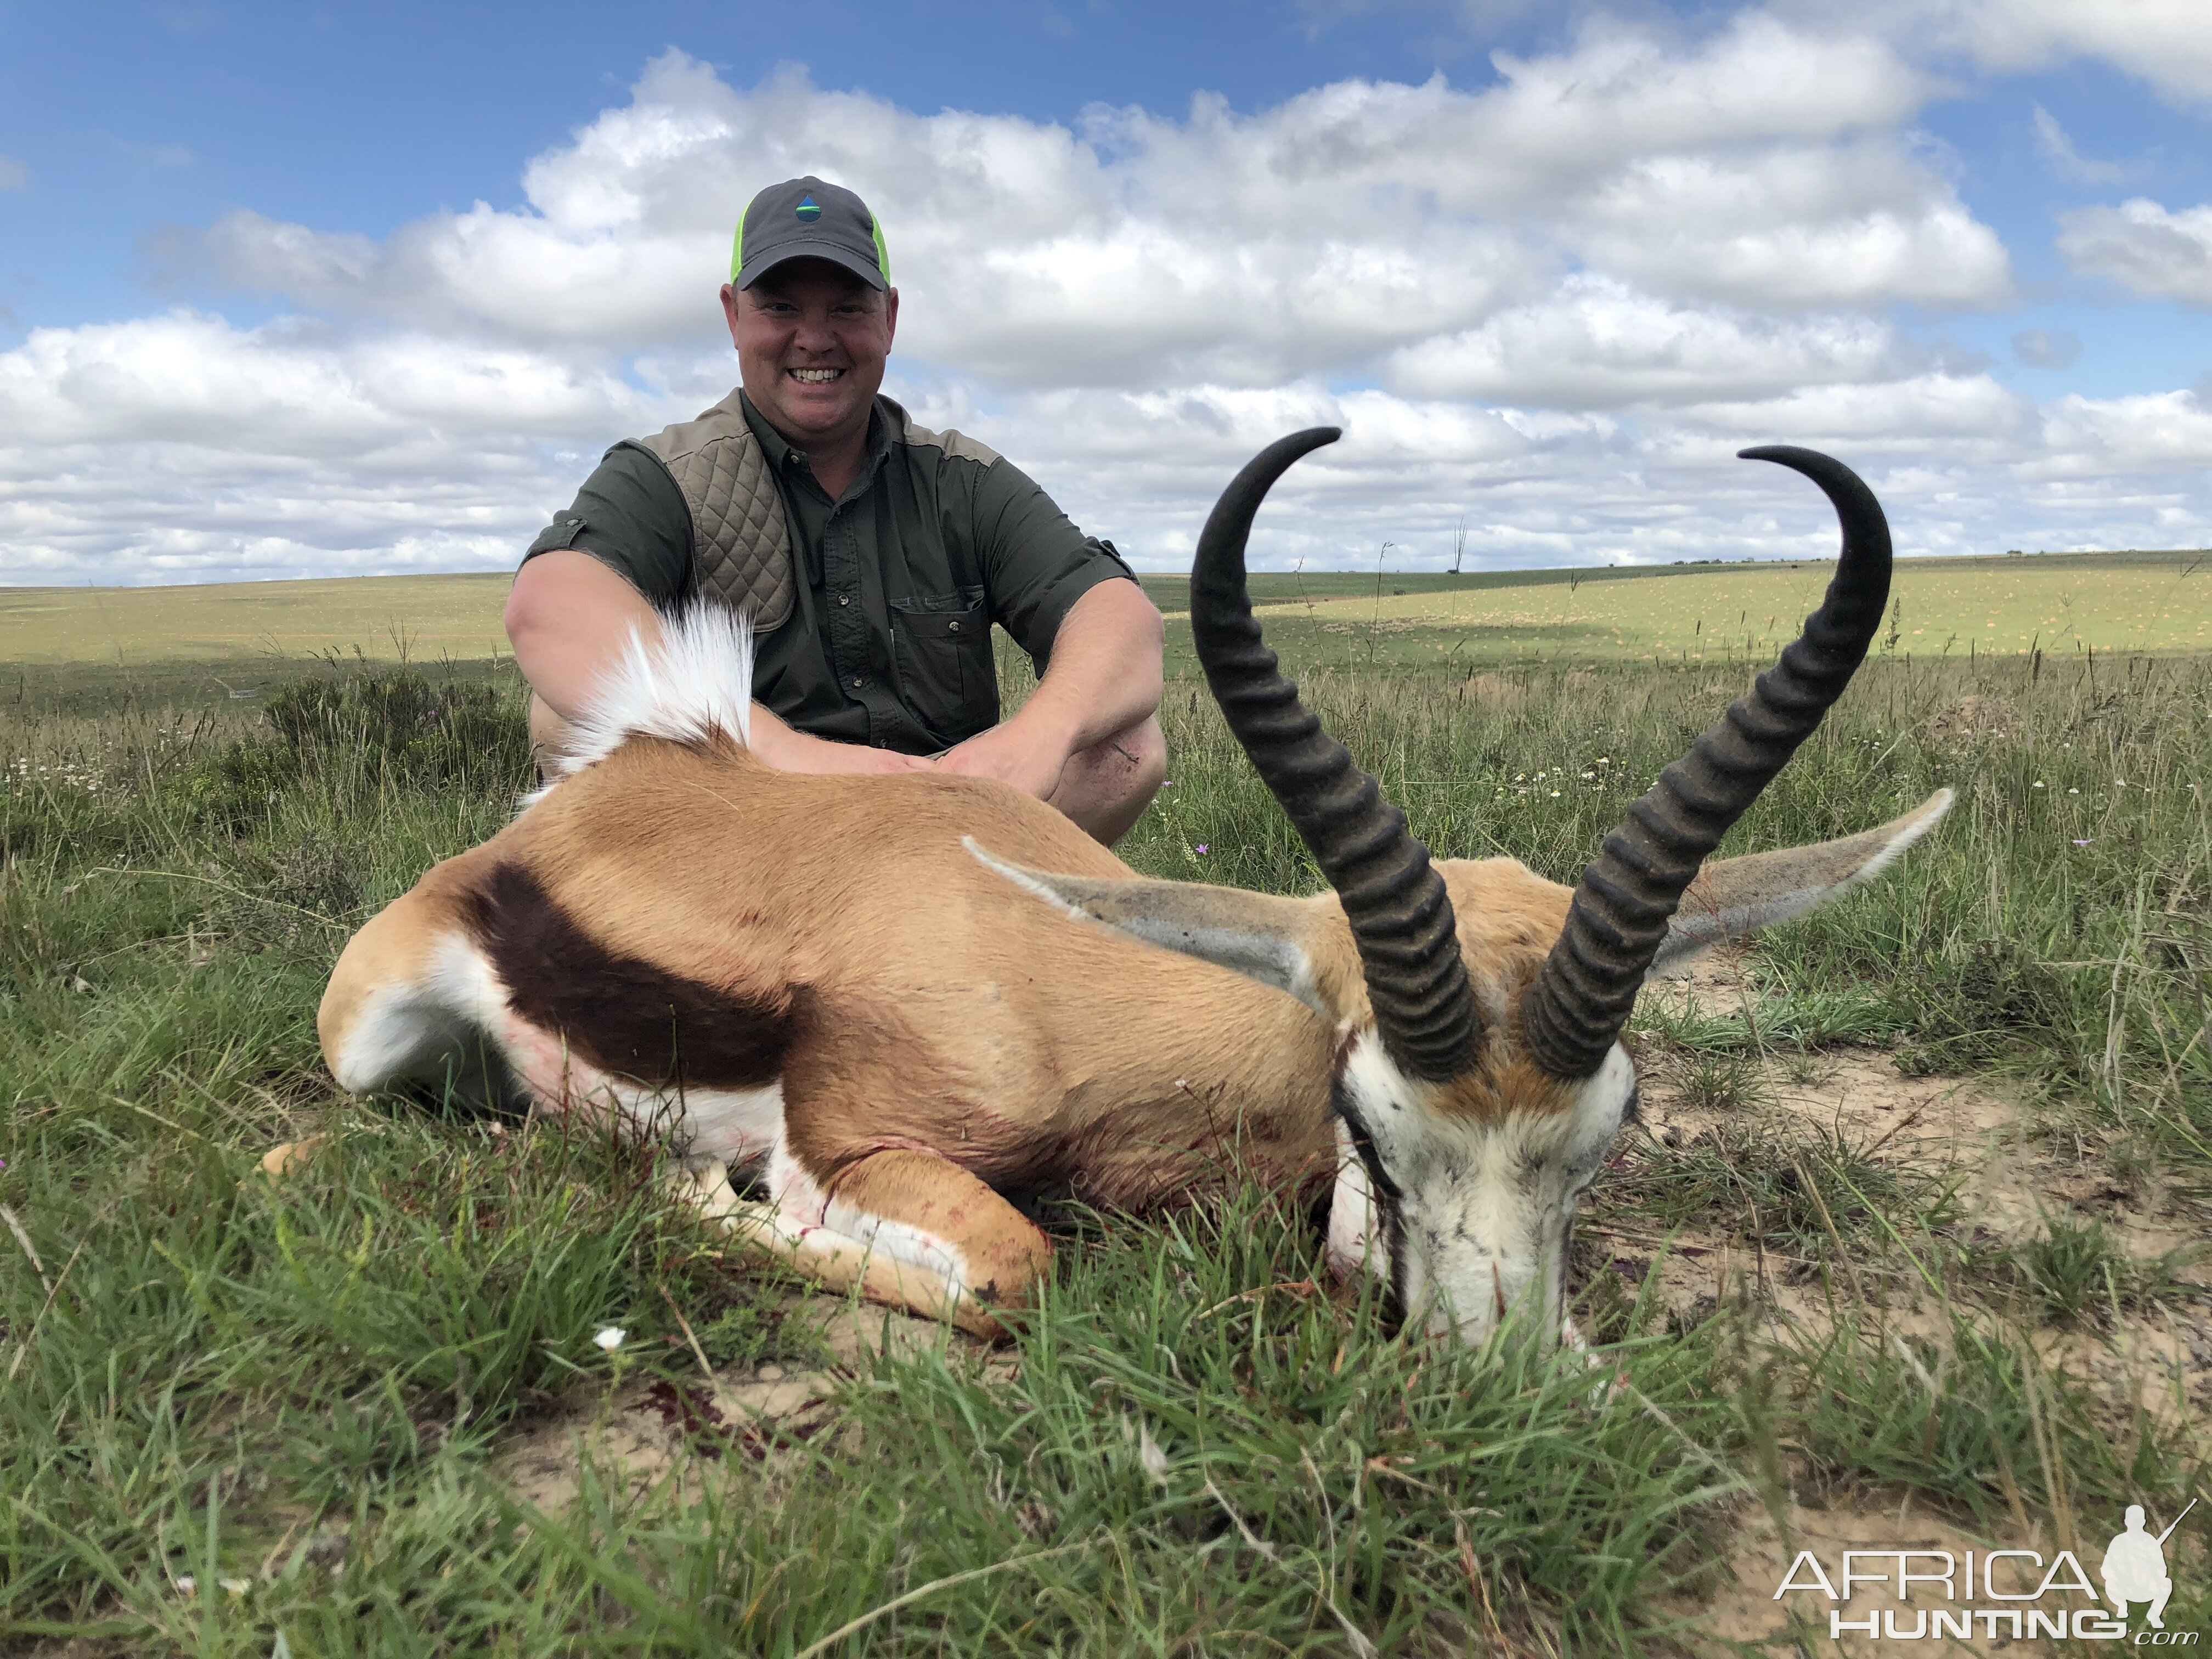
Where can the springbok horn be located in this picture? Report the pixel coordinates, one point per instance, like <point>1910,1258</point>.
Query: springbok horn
<point>1401,915</point>
<point>1581,998</point>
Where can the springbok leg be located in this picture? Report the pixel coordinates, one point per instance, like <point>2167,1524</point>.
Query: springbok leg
<point>904,1226</point>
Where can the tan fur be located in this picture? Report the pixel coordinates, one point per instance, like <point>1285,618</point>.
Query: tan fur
<point>1507,918</point>
<point>838,1263</point>
<point>928,997</point>
<point>951,1038</point>
<point>394,948</point>
<point>1006,1252</point>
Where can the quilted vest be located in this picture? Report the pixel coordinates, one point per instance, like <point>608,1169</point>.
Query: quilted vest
<point>740,541</point>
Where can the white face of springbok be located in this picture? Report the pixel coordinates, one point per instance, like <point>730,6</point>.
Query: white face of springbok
<point>1473,1218</point>
<point>1479,1080</point>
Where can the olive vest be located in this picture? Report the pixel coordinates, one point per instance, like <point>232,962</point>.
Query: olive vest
<point>740,539</point>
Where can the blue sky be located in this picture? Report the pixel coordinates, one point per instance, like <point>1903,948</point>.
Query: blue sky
<point>302,290</point>
<point>365,117</point>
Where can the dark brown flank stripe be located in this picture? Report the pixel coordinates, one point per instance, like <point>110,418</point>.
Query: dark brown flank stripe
<point>615,1012</point>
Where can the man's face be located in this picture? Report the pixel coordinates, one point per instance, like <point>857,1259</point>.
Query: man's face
<point>812,341</point>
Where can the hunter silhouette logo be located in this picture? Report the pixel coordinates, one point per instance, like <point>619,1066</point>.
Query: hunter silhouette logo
<point>2135,1566</point>
<point>2018,1594</point>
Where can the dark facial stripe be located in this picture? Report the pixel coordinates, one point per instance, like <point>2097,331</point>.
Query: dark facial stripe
<point>616,1013</point>
<point>1384,1192</point>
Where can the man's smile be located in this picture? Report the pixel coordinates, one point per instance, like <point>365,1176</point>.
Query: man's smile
<point>816,376</point>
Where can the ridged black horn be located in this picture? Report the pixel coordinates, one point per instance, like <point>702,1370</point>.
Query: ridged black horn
<point>1401,915</point>
<point>1582,996</point>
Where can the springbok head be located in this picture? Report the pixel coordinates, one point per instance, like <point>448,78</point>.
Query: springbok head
<point>1479,1077</point>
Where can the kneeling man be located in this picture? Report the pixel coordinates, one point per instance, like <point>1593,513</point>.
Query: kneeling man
<point>873,554</point>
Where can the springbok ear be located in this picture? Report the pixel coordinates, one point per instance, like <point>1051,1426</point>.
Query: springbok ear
<point>1258,935</point>
<point>1732,898</point>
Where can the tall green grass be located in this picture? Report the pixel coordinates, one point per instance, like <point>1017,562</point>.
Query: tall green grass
<point>301,1386</point>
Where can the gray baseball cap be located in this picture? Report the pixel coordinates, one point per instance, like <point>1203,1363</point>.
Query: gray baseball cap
<point>806,218</point>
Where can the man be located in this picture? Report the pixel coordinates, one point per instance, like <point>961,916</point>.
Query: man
<point>873,554</point>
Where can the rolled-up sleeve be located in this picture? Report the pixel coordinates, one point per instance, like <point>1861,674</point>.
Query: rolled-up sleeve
<point>631,517</point>
<point>1036,564</point>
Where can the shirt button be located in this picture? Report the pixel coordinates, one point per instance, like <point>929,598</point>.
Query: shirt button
<point>858,681</point>
<point>844,599</point>
<point>952,627</point>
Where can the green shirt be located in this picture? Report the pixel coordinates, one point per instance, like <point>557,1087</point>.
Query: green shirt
<point>898,583</point>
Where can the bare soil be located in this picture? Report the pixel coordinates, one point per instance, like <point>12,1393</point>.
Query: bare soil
<point>1971,1135</point>
<point>764,1413</point>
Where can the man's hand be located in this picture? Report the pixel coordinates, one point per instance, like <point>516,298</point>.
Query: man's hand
<point>1032,763</point>
<point>788,750</point>
<point>1087,742</point>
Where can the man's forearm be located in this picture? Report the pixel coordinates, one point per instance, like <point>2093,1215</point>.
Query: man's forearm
<point>569,619</point>
<point>1105,673</point>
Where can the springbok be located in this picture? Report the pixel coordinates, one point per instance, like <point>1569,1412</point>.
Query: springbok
<point>900,1007</point>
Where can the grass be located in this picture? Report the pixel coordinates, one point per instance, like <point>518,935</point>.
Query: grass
<point>2078,1270</point>
<point>216,642</point>
<point>1806,1196</point>
<point>1940,608</point>
<point>304,1387</point>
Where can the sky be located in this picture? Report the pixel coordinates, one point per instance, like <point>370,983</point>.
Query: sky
<point>308,289</point>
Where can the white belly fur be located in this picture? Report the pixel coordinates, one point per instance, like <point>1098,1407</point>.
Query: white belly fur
<point>413,1033</point>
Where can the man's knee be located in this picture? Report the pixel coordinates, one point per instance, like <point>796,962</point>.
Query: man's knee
<point>1106,787</point>
<point>1131,765</point>
<point>1149,745</point>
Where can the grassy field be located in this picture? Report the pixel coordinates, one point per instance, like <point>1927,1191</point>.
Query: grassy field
<point>1904,1252</point>
<point>2060,604</point>
<point>205,644</point>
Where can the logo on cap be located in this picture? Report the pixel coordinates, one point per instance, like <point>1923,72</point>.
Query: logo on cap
<point>808,208</point>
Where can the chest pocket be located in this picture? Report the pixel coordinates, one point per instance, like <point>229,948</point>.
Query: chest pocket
<point>941,644</point>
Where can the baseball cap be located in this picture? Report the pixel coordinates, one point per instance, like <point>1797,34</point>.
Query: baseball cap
<point>804,218</point>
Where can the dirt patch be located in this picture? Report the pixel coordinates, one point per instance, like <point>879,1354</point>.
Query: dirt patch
<point>1954,1125</point>
<point>1964,1135</point>
<point>764,1414</point>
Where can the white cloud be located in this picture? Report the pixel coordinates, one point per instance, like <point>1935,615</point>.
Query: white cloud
<point>2145,248</point>
<point>1598,344</point>
<point>178,448</point>
<point>2163,432</point>
<point>1762,165</point>
<point>1550,308</point>
<point>2057,149</point>
<point>1857,224</point>
<point>1969,412</point>
<point>2166,42</point>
